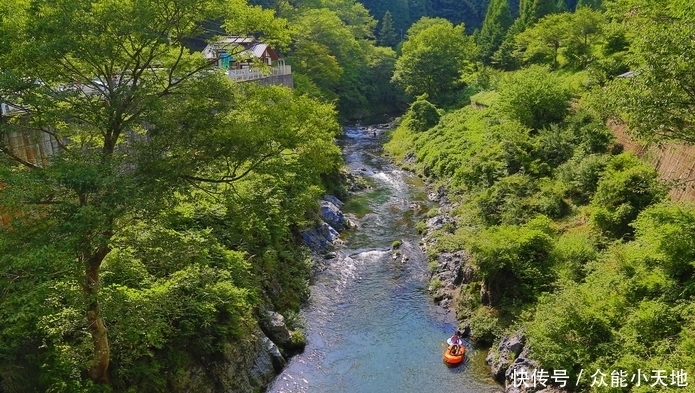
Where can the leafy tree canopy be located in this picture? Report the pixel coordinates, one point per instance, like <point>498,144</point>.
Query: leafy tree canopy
<point>136,120</point>
<point>432,59</point>
<point>535,97</point>
<point>656,103</point>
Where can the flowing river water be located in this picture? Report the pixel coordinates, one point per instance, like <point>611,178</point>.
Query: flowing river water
<point>370,325</point>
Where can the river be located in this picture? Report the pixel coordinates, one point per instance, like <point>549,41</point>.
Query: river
<point>370,325</point>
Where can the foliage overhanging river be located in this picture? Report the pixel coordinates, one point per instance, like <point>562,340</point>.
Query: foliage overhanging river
<point>370,324</point>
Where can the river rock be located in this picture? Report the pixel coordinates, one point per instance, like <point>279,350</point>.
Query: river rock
<point>438,222</point>
<point>334,200</point>
<point>321,238</point>
<point>500,359</point>
<point>331,214</point>
<point>355,182</point>
<point>522,365</point>
<point>273,352</point>
<point>438,195</point>
<point>410,158</point>
<point>273,325</point>
<point>449,274</point>
<point>552,389</point>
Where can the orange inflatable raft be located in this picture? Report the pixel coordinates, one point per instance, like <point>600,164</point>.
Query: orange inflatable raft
<point>454,354</point>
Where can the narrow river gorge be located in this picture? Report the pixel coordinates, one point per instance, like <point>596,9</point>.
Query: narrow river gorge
<point>370,324</point>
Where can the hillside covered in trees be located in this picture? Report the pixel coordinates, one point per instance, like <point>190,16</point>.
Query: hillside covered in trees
<point>573,243</point>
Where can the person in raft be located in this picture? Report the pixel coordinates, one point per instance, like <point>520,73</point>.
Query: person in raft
<point>455,339</point>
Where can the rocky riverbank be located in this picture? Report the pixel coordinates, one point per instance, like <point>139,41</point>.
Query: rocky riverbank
<point>509,358</point>
<point>448,270</point>
<point>249,366</point>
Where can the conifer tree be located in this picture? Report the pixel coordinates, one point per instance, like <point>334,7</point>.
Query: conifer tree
<point>400,14</point>
<point>387,34</point>
<point>530,11</point>
<point>418,8</point>
<point>497,22</point>
<point>594,4</point>
<point>561,6</point>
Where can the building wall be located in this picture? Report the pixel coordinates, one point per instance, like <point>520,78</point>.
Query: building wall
<point>279,80</point>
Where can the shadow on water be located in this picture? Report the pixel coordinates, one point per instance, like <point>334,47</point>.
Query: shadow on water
<point>371,326</point>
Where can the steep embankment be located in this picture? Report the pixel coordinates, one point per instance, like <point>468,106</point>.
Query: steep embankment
<point>575,258</point>
<point>674,162</point>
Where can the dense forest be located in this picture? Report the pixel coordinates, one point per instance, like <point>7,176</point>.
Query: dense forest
<point>149,249</point>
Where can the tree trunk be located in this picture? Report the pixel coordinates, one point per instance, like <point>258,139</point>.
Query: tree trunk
<point>99,366</point>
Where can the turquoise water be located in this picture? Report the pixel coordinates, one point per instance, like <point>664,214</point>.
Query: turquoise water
<point>370,324</point>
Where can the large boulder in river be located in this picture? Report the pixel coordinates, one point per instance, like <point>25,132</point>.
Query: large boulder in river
<point>274,327</point>
<point>331,214</point>
<point>333,200</point>
<point>268,362</point>
<point>320,238</point>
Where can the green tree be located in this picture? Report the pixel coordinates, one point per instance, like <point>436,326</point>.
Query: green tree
<point>432,60</point>
<point>135,117</point>
<point>593,4</point>
<point>627,187</point>
<point>657,102</point>
<point>400,11</point>
<point>381,95</point>
<point>422,115</point>
<point>470,13</point>
<point>417,9</point>
<point>495,26</point>
<point>352,13</point>
<point>530,11</point>
<point>571,34</point>
<point>584,26</point>
<point>535,97</point>
<point>541,43</point>
<point>327,52</point>
<point>387,34</point>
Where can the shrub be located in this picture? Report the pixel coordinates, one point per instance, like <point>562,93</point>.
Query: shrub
<point>581,175</point>
<point>422,115</point>
<point>626,189</point>
<point>513,262</point>
<point>571,253</point>
<point>485,326</point>
<point>549,200</point>
<point>555,145</point>
<point>669,229</point>
<point>533,96</point>
<point>505,200</point>
<point>590,134</point>
<point>569,329</point>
